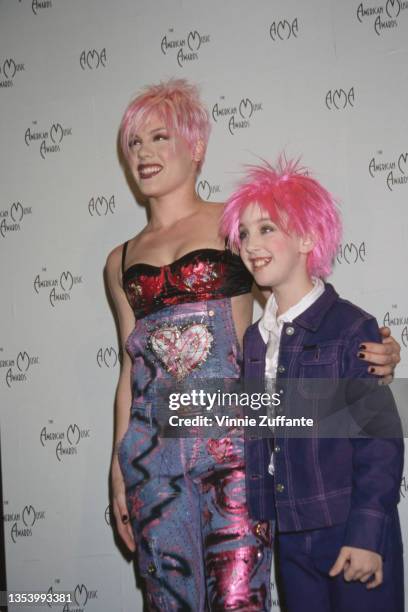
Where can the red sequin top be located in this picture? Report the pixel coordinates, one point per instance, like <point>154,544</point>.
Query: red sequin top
<point>203,274</point>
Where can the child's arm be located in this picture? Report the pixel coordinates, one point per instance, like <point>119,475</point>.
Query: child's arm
<point>377,469</point>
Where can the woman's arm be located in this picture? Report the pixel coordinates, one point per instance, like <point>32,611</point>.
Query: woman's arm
<point>123,398</point>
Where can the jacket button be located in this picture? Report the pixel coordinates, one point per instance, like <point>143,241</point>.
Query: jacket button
<point>280,488</point>
<point>290,330</point>
<point>151,568</point>
<point>211,313</point>
<point>281,369</point>
<point>277,449</point>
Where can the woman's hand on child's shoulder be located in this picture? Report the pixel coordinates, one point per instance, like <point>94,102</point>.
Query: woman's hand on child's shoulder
<point>383,356</point>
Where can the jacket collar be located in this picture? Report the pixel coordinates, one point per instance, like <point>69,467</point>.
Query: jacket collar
<point>314,315</point>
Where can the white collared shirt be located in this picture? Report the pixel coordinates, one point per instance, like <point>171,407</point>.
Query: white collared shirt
<point>270,326</point>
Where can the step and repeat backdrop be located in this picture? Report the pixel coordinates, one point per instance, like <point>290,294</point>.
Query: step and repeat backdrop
<point>324,80</point>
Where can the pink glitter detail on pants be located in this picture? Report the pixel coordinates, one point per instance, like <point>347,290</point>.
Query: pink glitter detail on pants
<point>231,571</point>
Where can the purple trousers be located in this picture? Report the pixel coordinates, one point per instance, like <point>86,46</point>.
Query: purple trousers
<point>304,561</point>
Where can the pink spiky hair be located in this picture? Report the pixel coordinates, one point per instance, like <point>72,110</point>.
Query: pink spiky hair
<point>177,103</point>
<point>296,202</point>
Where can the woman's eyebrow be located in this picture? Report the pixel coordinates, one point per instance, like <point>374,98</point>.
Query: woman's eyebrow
<point>159,129</point>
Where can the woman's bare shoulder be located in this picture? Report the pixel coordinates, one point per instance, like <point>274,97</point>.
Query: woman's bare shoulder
<point>114,261</point>
<point>114,258</point>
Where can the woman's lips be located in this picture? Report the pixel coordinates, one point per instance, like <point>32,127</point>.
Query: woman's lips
<point>147,171</point>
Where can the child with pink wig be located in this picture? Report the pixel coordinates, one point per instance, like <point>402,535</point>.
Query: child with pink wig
<point>333,499</point>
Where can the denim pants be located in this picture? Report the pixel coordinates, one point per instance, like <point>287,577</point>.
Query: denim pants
<point>197,547</point>
<point>305,559</point>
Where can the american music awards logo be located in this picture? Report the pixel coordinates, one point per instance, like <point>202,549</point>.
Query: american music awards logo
<point>284,29</point>
<point>91,59</point>
<point>11,218</point>
<point>101,206</point>
<point>206,190</point>
<point>23,524</point>
<point>107,357</point>
<point>351,253</point>
<point>399,320</point>
<point>393,170</point>
<point>67,441</point>
<point>185,49</point>
<point>17,370</point>
<point>384,16</point>
<point>9,68</point>
<point>339,99</point>
<point>80,595</point>
<point>48,141</point>
<point>59,288</point>
<point>236,116</point>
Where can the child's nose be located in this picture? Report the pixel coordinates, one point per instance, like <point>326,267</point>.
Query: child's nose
<point>251,244</point>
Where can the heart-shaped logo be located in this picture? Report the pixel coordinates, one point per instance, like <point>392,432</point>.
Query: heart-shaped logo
<point>66,281</point>
<point>339,98</point>
<point>204,190</point>
<point>17,212</point>
<point>73,434</point>
<point>393,8</point>
<point>28,516</point>
<point>23,361</point>
<point>283,30</point>
<point>181,350</point>
<point>81,595</point>
<point>246,108</point>
<point>92,59</point>
<point>9,68</point>
<point>194,41</point>
<point>56,133</point>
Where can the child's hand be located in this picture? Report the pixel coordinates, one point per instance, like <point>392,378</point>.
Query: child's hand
<point>359,564</point>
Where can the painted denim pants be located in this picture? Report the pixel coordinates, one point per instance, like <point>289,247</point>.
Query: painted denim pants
<point>197,547</point>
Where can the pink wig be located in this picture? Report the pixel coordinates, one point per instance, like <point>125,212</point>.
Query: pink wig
<point>177,103</point>
<point>297,203</point>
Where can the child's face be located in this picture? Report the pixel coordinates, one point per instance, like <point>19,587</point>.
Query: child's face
<point>272,256</point>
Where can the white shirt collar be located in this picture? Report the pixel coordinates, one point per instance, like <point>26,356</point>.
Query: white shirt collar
<point>270,323</point>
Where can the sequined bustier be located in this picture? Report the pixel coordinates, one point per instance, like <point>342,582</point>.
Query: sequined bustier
<point>203,274</point>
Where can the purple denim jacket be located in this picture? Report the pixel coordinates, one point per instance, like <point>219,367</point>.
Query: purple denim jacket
<point>319,482</point>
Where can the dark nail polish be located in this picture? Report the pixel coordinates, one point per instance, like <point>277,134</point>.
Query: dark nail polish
<point>125,518</point>
<point>371,370</point>
<point>362,347</point>
<point>361,355</point>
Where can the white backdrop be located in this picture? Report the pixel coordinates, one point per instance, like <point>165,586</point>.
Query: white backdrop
<point>324,79</point>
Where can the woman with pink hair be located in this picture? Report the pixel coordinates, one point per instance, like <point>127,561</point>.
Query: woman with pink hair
<point>183,302</point>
